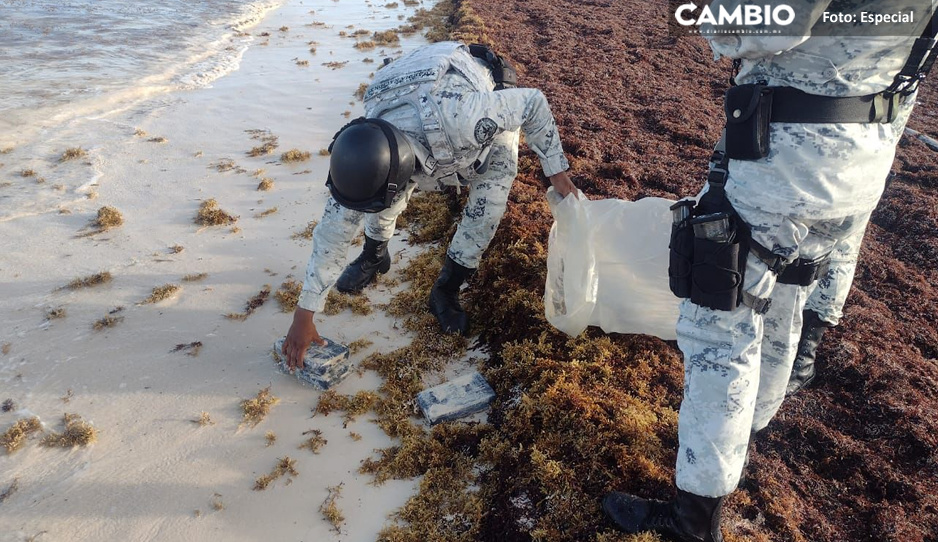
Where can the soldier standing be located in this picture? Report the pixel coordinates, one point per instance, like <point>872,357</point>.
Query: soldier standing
<point>811,133</point>
<point>443,115</point>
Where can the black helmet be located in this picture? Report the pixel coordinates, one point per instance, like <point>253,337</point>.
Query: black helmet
<point>371,160</point>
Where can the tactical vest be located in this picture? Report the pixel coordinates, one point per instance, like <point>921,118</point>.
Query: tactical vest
<point>411,80</point>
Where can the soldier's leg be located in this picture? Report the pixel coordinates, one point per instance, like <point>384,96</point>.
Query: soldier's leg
<point>488,196</point>
<point>783,322</point>
<point>380,226</point>
<point>721,379</point>
<point>824,307</point>
<point>722,353</point>
<point>375,259</point>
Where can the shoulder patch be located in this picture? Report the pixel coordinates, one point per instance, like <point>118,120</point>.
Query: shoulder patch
<point>485,131</point>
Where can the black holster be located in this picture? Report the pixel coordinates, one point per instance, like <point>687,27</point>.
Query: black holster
<point>804,272</point>
<point>748,113</point>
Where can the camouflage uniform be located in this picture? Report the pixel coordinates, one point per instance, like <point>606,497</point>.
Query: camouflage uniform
<point>828,295</point>
<point>812,194</point>
<point>475,121</point>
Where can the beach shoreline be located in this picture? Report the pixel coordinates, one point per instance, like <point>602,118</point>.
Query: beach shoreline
<point>153,473</point>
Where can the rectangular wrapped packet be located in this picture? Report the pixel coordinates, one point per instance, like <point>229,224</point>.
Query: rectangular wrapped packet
<point>323,366</point>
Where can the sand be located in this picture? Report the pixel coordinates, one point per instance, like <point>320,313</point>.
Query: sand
<point>153,473</point>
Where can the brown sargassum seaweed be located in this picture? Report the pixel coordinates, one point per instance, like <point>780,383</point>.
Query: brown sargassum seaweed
<point>852,459</point>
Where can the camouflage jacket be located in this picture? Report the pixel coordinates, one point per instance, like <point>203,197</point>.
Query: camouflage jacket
<point>471,117</point>
<point>821,170</point>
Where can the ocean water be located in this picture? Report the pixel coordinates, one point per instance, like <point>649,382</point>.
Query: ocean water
<point>61,59</point>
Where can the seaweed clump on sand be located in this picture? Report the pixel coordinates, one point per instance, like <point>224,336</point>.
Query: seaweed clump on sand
<point>266,212</point>
<point>14,437</point>
<point>337,302</point>
<point>255,409</point>
<point>191,349</point>
<point>108,217</point>
<point>329,509</point>
<point>73,153</point>
<point>265,185</point>
<point>357,346</point>
<point>91,280</point>
<point>252,305</point>
<point>288,294</point>
<point>306,233</point>
<point>315,442</point>
<point>77,433</point>
<point>285,467</point>
<point>210,214</point>
<point>386,38</point>
<point>447,20</point>
<point>360,94</point>
<point>295,155</point>
<point>353,405</point>
<point>108,321</point>
<point>269,143</point>
<point>203,419</point>
<point>160,293</point>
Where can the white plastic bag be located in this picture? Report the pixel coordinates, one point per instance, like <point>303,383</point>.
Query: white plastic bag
<point>607,266</point>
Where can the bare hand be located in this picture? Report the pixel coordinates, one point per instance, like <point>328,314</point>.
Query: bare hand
<point>562,184</point>
<point>301,334</point>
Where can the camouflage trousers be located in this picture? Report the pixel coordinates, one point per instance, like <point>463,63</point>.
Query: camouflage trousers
<point>488,197</point>
<point>828,295</point>
<point>737,363</point>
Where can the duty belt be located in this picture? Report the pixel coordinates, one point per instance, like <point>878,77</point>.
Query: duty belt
<point>794,105</point>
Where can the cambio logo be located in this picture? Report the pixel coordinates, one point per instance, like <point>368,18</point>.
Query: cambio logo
<point>748,15</point>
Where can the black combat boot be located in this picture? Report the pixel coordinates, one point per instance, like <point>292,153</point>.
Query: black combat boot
<point>687,518</point>
<point>802,373</point>
<point>444,297</point>
<point>373,260</point>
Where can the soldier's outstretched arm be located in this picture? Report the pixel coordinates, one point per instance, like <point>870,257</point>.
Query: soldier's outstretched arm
<point>331,239</point>
<point>753,46</point>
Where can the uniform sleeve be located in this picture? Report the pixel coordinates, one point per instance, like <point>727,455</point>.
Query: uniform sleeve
<point>524,108</point>
<point>754,46</point>
<point>331,239</point>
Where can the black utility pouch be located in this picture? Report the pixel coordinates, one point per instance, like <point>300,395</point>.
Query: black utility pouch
<point>748,113</point>
<point>681,253</point>
<point>716,277</point>
<point>503,73</point>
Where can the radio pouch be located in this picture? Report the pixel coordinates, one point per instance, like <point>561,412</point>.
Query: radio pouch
<point>748,113</point>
